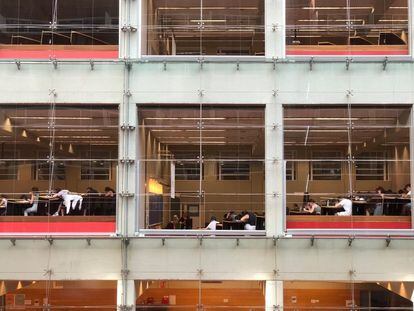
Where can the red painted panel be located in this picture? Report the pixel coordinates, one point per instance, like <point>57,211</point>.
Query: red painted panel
<point>8,228</point>
<point>58,54</point>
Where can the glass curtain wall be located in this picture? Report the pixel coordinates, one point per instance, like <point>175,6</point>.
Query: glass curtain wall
<point>317,295</point>
<point>210,27</point>
<point>48,148</point>
<point>342,27</point>
<point>59,28</point>
<point>200,295</point>
<point>349,161</point>
<point>202,163</point>
<point>57,295</point>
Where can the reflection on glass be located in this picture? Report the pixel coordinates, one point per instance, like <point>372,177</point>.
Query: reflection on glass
<point>348,161</point>
<point>347,27</point>
<point>200,166</point>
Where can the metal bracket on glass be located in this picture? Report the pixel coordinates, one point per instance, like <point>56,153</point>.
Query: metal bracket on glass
<point>13,242</point>
<point>238,66</point>
<point>276,272</point>
<point>388,241</point>
<point>127,93</point>
<point>200,240</point>
<point>350,240</point>
<point>312,240</point>
<point>275,93</point>
<point>276,307</point>
<point>348,62</point>
<point>50,240</point>
<point>275,160</point>
<point>126,194</point>
<point>128,65</point>
<point>127,127</point>
<point>275,239</point>
<point>311,61</point>
<point>276,194</point>
<point>201,93</point>
<point>200,271</point>
<point>52,92</point>
<point>18,64</point>
<point>275,126</point>
<point>89,241</point>
<point>54,63</point>
<point>352,272</point>
<point>164,63</point>
<point>237,242</point>
<point>124,272</point>
<point>128,28</point>
<point>48,272</point>
<point>385,63</point>
<point>127,161</point>
<point>349,93</point>
<point>163,241</point>
<point>275,27</point>
<point>201,62</point>
<point>92,64</point>
<point>274,59</point>
<point>125,308</point>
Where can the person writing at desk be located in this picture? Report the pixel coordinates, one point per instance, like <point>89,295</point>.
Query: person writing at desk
<point>346,204</point>
<point>249,220</point>
<point>34,201</point>
<point>3,205</point>
<point>312,207</point>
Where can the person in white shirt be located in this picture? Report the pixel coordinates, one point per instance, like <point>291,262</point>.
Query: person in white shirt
<point>346,204</point>
<point>3,204</point>
<point>213,223</point>
<point>69,200</point>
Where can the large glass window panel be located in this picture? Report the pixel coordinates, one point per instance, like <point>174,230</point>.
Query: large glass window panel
<point>200,163</point>
<point>59,29</point>
<point>171,27</point>
<point>209,27</point>
<point>58,295</point>
<point>45,148</point>
<point>347,27</point>
<point>319,295</point>
<point>198,294</point>
<point>359,153</point>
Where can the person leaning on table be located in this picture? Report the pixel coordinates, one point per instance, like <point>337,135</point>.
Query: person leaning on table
<point>3,204</point>
<point>346,204</point>
<point>249,220</point>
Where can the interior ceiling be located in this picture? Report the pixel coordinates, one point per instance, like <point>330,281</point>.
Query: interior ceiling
<point>242,19</point>
<point>75,125</point>
<point>365,125</point>
<point>230,127</point>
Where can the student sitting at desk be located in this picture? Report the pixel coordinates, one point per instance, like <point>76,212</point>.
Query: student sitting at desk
<point>213,223</point>
<point>249,220</point>
<point>406,210</point>
<point>3,205</point>
<point>346,204</point>
<point>312,208</point>
<point>34,201</point>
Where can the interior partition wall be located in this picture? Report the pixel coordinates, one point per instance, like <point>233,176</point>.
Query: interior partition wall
<point>201,162</point>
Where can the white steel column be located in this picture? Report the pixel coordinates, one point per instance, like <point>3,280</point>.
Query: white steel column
<point>125,295</point>
<point>274,295</point>
<point>274,170</point>
<point>275,29</point>
<point>129,16</point>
